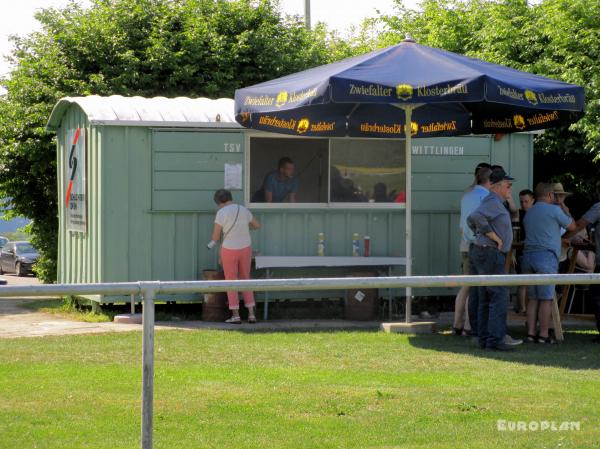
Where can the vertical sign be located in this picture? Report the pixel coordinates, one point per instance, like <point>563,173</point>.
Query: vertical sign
<point>76,196</point>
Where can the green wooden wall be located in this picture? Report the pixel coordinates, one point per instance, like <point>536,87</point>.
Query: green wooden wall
<point>150,209</point>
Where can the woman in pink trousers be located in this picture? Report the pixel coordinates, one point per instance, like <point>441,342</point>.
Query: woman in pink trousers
<point>234,222</point>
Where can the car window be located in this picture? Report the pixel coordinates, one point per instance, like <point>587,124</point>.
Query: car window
<point>3,241</point>
<point>24,248</point>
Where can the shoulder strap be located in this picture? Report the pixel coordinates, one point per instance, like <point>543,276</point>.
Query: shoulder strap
<point>234,222</point>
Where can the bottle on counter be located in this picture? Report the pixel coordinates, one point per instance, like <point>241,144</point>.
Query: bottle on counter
<point>355,244</point>
<point>321,244</point>
<point>366,246</point>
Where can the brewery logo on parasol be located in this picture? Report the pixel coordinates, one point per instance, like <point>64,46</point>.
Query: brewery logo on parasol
<point>404,91</point>
<point>370,90</point>
<point>394,128</point>
<point>437,127</point>
<point>275,122</point>
<point>440,91</point>
<point>498,123</point>
<point>519,121</point>
<point>303,126</point>
<point>262,100</point>
<point>297,97</point>
<point>414,128</point>
<point>541,118</point>
<point>557,98</point>
<point>531,97</point>
<point>397,128</point>
<point>511,93</point>
<point>282,98</point>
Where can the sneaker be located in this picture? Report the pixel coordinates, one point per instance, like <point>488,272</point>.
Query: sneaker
<point>509,341</point>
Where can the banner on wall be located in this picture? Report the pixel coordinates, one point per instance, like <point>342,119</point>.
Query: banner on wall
<point>75,181</point>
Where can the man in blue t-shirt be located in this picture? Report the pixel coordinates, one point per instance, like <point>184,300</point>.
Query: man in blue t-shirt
<point>281,185</point>
<point>543,223</point>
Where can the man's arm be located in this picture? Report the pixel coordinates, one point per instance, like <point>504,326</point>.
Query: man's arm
<point>268,196</point>
<point>478,221</point>
<point>292,197</point>
<point>575,227</point>
<point>513,209</point>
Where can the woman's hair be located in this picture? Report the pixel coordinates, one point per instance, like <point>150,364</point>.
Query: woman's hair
<point>222,196</point>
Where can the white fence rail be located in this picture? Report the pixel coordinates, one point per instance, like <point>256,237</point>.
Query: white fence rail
<point>149,290</point>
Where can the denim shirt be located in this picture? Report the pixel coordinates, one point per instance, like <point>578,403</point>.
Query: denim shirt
<point>491,215</point>
<point>468,203</point>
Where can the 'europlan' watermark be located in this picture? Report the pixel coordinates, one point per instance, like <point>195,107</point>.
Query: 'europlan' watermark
<point>504,425</point>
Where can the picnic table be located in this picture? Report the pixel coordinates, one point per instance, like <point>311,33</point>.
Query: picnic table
<point>268,263</point>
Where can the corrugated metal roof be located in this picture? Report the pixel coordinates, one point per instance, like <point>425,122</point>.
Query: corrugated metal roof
<point>117,110</point>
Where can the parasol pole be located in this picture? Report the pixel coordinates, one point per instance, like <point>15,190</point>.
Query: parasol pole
<point>408,210</point>
<point>408,108</point>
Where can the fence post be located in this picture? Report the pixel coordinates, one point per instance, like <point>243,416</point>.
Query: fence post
<point>147,366</point>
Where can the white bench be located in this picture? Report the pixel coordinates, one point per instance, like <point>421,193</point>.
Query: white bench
<point>269,262</point>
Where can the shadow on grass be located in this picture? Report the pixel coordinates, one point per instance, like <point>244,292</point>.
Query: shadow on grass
<point>577,352</point>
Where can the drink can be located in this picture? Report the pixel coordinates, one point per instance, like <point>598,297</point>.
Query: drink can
<point>367,246</point>
<point>355,244</point>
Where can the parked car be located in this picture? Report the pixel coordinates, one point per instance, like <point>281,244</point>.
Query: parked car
<point>17,257</point>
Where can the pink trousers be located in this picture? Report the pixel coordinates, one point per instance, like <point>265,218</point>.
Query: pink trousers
<point>236,265</point>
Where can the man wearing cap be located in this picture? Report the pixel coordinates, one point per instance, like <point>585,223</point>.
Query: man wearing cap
<point>592,217</point>
<point>543,223</point>
<point>492,226</point>
<point>470,201</point>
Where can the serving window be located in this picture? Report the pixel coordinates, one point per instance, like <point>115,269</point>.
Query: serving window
<point>326,171</point>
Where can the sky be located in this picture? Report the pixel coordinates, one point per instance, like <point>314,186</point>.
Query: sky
<point>17,16</point>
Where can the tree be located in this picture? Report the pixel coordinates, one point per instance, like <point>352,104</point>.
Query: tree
<point>132,47</point>
<point>555,38</point>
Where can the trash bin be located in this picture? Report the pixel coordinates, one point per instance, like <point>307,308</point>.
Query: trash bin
<point>362,304</point>
<point>214,306</point>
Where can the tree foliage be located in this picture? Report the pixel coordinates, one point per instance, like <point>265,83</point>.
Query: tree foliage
<point>133,47</point>
<point>555,38</point>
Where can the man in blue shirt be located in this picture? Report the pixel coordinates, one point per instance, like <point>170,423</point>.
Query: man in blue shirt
<point>470,201</point>
<point>543,223</point>
<point>592,217</point>
<point>281,185</point>
<point>492,226</point>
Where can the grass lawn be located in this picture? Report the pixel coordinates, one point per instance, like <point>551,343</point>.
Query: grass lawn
<point>216,389</point>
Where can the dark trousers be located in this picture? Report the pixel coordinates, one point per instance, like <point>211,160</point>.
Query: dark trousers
<point>493,300</point>
<point>595,292</point>
<point>473,300</point>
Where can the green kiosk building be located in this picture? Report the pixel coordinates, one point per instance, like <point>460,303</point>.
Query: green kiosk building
<point>136,177</point>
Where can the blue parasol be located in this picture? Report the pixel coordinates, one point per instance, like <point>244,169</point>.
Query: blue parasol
<point>438,92</point>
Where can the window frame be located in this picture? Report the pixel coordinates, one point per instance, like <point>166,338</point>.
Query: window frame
<point>329,205</point>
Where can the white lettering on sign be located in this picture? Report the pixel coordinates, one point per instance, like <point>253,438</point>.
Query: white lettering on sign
<point>438,150</point>
<point>233,148</point>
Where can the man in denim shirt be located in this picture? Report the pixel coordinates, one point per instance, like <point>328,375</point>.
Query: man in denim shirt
<point>492,226</point>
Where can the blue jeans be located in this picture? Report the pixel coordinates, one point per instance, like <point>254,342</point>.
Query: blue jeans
<point>473,300</point>
<point>493,301</point>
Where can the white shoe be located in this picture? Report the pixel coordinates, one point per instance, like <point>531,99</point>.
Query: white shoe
<point>508,340</point>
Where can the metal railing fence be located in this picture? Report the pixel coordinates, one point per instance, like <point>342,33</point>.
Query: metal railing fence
<point>149,289</point>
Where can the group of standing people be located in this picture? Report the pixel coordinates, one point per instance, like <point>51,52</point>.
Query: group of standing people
<point>487,213</point>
